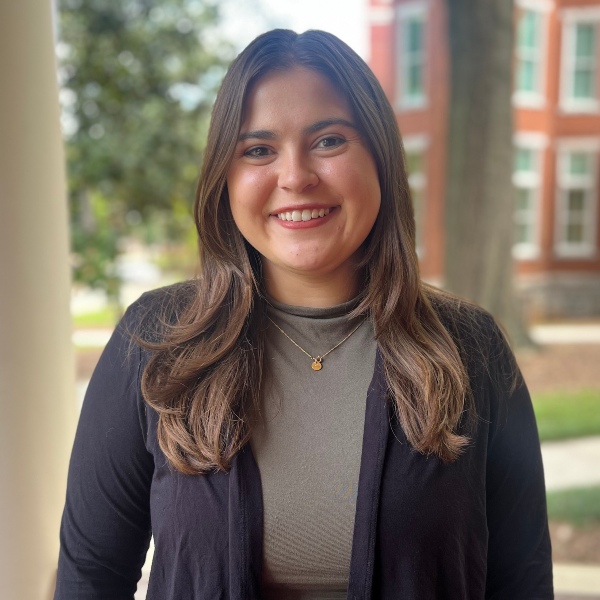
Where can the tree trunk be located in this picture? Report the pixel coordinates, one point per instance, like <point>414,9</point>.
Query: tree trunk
<point>479,192</point>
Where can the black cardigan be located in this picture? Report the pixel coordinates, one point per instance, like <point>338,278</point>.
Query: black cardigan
<point>473,529</point>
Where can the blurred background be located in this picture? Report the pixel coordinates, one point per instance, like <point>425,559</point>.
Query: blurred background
<point>104,110</point>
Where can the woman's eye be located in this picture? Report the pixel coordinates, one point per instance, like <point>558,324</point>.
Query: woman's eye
<point>330,142</point>
<point>257,152</point>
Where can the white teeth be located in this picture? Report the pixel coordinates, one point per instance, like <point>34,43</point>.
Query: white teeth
<point>304,215</point>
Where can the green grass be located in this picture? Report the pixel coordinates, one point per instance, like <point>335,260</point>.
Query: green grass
<point>105,317</point>
<point>571,414</point>
<point>580,506</point>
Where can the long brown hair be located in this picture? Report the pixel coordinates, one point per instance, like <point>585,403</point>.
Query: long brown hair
<point>206,373</point>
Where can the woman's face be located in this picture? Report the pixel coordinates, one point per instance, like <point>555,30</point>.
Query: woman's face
<point>303,187</point>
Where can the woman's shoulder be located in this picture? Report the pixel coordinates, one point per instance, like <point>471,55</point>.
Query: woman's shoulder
<point>481,341</point>
<point>464,320</point>
<point>156,310</point>
<point>169,298</point>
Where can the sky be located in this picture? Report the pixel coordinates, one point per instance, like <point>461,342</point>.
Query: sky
<point>347,19</point>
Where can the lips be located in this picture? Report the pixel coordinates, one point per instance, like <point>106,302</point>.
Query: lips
<point>306,214</point>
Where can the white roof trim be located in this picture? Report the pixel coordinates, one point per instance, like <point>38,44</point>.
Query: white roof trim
<point>411,9</point>
<point>381,15</point>
<point>531,139</point>
<point>583,13</point>
<point>537,5</point>
<point>584,143</point>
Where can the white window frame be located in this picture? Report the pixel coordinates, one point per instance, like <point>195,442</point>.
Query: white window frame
<point>537,98</point>
<point>566,182</point>
<point>383,14</point>
<point>418,182</point>
<point>572,17</point>
<point>536,143</point>
<point>405,12</point>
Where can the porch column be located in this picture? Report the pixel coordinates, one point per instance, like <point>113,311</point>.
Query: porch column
<point>37,407</point>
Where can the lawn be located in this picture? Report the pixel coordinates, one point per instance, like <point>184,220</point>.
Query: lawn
<point>580,506</point>
<point>106,317</point>
<point>564,415</point>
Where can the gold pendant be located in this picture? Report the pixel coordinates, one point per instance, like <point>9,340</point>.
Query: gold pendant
<point>316,365</point>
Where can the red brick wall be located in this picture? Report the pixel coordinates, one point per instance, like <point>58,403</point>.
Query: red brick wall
<point>431,122</point>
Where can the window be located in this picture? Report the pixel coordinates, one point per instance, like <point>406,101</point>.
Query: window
<point>411,34</point>
<point>529,54</point>
<point>415,153</point>
<point>584,64</point>
<point>577,198</point>
<point>527,180</point>
<point>579,83</point>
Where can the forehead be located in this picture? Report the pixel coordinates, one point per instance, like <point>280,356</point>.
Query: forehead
<point>296,92</point>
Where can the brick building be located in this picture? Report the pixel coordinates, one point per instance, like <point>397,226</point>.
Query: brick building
<point>557,138</point>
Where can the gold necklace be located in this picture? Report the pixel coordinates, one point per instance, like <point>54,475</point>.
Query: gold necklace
<point>317,361</point>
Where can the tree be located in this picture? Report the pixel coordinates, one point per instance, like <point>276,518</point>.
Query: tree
<point>138,79</point>
<point>479,193</point>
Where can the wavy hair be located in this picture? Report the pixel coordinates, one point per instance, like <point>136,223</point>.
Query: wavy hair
<point>206,374</point>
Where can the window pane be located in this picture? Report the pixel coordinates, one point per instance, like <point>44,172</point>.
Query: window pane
<point>579,163</point>
<point>584,40</point>
<point>414,162</point>
<point>526,82</point>
<point>415,80</point>
<point>524,233</point>
<point>524,201</point>
<point>575,233</point>
<point>528,30</point>
<point>417,198</point>
<point>583,83</point>
<point>524,161</point>
<point>412,59</point>
<point>525,216</point>
<point>414,36</point>
<point>575,204</point>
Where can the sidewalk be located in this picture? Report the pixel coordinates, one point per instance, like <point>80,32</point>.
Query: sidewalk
<point>571,463</point>
<point>574,582</point>
<point>91,338</point>
<point>566,334</point>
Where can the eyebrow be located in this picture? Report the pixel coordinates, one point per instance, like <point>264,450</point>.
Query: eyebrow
<point>326,123</point>
<point>259,134</point>
<point>265,134</point>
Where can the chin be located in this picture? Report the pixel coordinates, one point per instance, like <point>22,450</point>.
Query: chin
<point>308,268</point>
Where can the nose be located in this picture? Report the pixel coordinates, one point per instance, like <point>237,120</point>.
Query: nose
<point>296,173</point>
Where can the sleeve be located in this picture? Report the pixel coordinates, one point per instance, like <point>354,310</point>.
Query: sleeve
<point>105,530</point>
<point>519,552</point>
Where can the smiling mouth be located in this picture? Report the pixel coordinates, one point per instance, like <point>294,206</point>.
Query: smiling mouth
<point>303,215</point>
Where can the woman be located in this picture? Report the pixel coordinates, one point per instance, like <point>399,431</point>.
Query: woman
<point>307,419</point>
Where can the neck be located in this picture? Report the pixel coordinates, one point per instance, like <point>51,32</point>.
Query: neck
<point>310,290</point>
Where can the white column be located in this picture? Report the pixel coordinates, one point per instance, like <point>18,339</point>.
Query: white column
<point>37,407</point>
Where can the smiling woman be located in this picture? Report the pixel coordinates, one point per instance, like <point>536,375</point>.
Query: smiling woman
<point>296,157</point>
<point>307,419</point>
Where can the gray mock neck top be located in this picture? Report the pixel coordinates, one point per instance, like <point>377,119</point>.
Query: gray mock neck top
<point>308,445</point>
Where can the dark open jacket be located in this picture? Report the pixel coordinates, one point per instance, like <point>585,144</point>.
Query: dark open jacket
<point>424,530</point>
